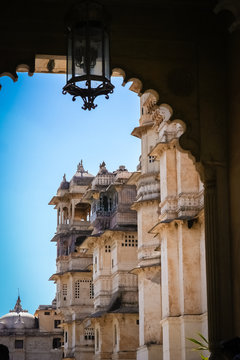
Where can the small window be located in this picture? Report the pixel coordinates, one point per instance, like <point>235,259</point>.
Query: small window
<point>112,263</point>
<point>130,240</point>
<point>64,290</point>
<point>91,290</point>
<point>97,339</point>
<point>66,337</point>
<point>137,322</point>
<point>56,343</point>
<point>18,344</point>
<point>46,312</point>
<point>89,334</point>
<point>107,248</point>
<point>56,323</point>
<point>151,159</point>
<point>77,289</point>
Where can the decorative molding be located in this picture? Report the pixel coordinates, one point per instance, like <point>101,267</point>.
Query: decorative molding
<point>181,206</point>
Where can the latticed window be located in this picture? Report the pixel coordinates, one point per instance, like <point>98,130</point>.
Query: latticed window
<point>130,240</point>
<point>77,289</point>
<point>64,291</point>
<point>89,334</point>
<point>107,248</point>
<point>91,290</point>
<point>151,159</point>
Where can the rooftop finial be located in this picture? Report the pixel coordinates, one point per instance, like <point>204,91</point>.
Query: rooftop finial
<point>102,165</point>
<point>80,167</point>
<point>64,178</point>
<point>18,307</point>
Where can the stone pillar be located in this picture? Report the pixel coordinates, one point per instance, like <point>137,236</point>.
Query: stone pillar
<point>170,294</point>
<point>61,215</point>
<point>218,266</point>
<point>73,210</point>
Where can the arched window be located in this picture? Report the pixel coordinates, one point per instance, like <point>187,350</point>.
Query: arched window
<point>97,339</point>
<point>115,334</point>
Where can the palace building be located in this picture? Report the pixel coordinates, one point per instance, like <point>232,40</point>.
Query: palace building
<point>131,277</point>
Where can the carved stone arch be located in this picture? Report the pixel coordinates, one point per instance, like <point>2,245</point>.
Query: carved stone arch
<point>185,143</point>
<point>11,70</point>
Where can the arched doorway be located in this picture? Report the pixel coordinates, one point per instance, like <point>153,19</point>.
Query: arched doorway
<point>4,352</point>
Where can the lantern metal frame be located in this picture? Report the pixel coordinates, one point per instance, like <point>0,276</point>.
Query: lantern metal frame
<point>73,85</point>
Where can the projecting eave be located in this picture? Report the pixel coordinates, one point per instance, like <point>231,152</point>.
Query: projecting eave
<point>134,178</point>
<point>137,269</point>
<point>55,276</point>
<point>55,238</point>
<point>90,194</point>
<point>138,131</point>
<point>87,243</point>
<point>54,201</point>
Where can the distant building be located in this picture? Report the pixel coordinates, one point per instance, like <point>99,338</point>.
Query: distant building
<point>24,336</point>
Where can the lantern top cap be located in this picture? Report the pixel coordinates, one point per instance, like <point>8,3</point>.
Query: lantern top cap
<point>86,11</point>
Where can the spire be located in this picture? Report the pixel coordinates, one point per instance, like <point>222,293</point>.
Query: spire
<point>102,165</point>
<point>18,307</point>
<point>64,178</point>
<point>80,167</point>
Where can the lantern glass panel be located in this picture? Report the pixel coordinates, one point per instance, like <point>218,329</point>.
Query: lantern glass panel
<point>95,51</point>
<point>79,49</point>
<point>69,59</point>
<point>106,56</point>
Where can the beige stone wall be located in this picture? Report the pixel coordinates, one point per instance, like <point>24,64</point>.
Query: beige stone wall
<point>36,346</point>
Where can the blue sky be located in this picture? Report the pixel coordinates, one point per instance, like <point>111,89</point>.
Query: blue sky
<point>43,134</point>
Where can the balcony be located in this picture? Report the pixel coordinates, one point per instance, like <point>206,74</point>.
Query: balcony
<point>62,227</point>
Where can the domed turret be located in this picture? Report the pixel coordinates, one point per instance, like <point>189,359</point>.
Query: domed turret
<point>18,318</point>
<point>81,177</point>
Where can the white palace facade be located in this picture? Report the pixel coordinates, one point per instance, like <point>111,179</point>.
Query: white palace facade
<point>130,277</point>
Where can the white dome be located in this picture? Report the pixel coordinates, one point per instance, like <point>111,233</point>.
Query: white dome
<point>14,320</point>
<point>17,318</point>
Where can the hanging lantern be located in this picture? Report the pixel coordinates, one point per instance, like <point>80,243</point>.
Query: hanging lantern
<point>88,64</point>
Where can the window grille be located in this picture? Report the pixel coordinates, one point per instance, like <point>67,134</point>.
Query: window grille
<point>77,289</point>
<point>89,334</point>
<point>130,240</point>
<point>64,289</point>
<point>107,248</point>
<point>91,290</point>
<point>151,159</point>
